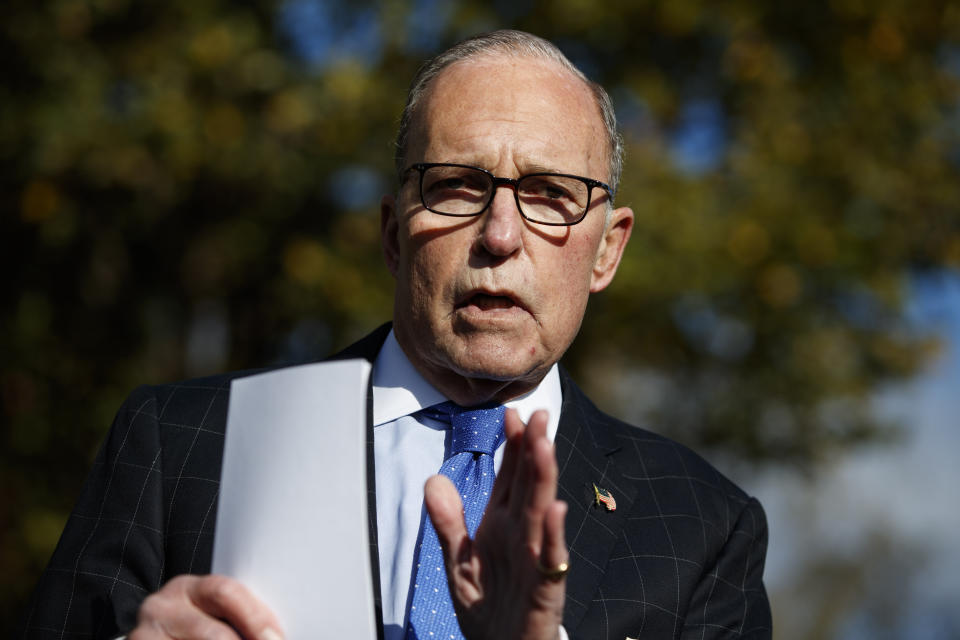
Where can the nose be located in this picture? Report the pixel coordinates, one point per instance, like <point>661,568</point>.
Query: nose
<point>501,233</point>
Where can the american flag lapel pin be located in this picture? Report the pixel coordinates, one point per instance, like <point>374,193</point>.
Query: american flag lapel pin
<point>603,496</point>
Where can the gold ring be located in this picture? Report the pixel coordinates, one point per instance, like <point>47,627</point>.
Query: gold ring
<point>554,573</point>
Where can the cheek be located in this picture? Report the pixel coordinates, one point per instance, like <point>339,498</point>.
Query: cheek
<point>572,272</point>
<point>567,288</point>
<point>428,273</point>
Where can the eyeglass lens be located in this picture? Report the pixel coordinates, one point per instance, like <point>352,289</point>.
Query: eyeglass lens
<point>465,191</point>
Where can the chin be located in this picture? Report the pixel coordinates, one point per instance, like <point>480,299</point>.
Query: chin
<point>493,358</point>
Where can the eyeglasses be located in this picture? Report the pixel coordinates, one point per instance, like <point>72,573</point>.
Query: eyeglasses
<point>555,199</point>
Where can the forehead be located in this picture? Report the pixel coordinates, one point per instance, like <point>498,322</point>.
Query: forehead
<point>499,109</point>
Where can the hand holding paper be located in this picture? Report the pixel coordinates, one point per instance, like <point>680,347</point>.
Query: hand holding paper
<point>292,519</point>
<point>291,534</point>
<point>204,607</point>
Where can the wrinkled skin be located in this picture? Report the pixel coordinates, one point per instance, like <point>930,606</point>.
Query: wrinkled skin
<point>484,306</point>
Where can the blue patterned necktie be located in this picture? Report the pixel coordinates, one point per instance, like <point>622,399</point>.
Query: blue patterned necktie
<point>476,435</point>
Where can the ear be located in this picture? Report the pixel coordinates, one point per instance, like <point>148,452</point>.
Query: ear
<point>389,229</point>
<point>614,241</point>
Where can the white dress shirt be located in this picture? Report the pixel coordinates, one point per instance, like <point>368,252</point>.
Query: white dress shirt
<point>407,452</point>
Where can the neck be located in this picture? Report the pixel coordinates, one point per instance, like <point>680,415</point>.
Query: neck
<point>468,389</point>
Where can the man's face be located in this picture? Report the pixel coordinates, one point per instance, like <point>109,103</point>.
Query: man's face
<point>485,305</point>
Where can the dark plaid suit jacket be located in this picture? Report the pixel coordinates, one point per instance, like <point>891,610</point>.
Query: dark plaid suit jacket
<point>680,557</point>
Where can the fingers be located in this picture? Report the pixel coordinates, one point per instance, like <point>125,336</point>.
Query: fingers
<point>208,607</point>
<point>446,512</point>
<point>534,482</point>
<point>554,551</point>
<point>526,485</point>
<point>523,472</point>
<point>229,600</point>
<point>541,476</point>
<point>513,429</point>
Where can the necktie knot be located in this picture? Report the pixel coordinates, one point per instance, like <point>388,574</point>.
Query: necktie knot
<point>477,430</point>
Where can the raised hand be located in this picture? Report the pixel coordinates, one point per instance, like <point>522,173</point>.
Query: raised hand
<point>509,581</point>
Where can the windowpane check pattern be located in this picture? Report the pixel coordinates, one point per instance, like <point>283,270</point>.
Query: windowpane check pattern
<point>681,557</point>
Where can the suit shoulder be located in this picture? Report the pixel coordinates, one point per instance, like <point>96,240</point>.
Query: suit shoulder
<point>645,456</point>
<point>183,393</point>
<point>193,403</point>
<point>664,457</point>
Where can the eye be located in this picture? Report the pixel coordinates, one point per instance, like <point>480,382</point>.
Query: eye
<point>545,187</point>
<point>448,181</point>
<point>455,190</point>
<point>553,191</point>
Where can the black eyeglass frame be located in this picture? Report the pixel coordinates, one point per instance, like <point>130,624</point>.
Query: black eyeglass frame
<point>422,167</point>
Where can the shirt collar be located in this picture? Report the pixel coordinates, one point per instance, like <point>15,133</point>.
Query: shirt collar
<point>399,390</point>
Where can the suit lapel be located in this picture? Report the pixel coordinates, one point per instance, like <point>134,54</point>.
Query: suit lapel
<point>586,453</point>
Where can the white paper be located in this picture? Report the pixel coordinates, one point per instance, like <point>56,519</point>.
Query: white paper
<point>292,516</point>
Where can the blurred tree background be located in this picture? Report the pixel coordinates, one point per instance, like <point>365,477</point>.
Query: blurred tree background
<point>191,186</point>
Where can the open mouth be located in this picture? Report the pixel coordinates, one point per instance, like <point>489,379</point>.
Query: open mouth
<point>488,302</point>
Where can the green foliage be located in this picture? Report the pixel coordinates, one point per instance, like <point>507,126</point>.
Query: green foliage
<point>764,293</point>
<point>183,194</point>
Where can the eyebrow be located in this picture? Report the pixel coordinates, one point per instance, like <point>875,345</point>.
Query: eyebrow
<point>526,169</point>
<point>539,168</point>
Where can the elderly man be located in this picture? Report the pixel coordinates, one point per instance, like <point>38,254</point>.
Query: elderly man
<point>502,225</point>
